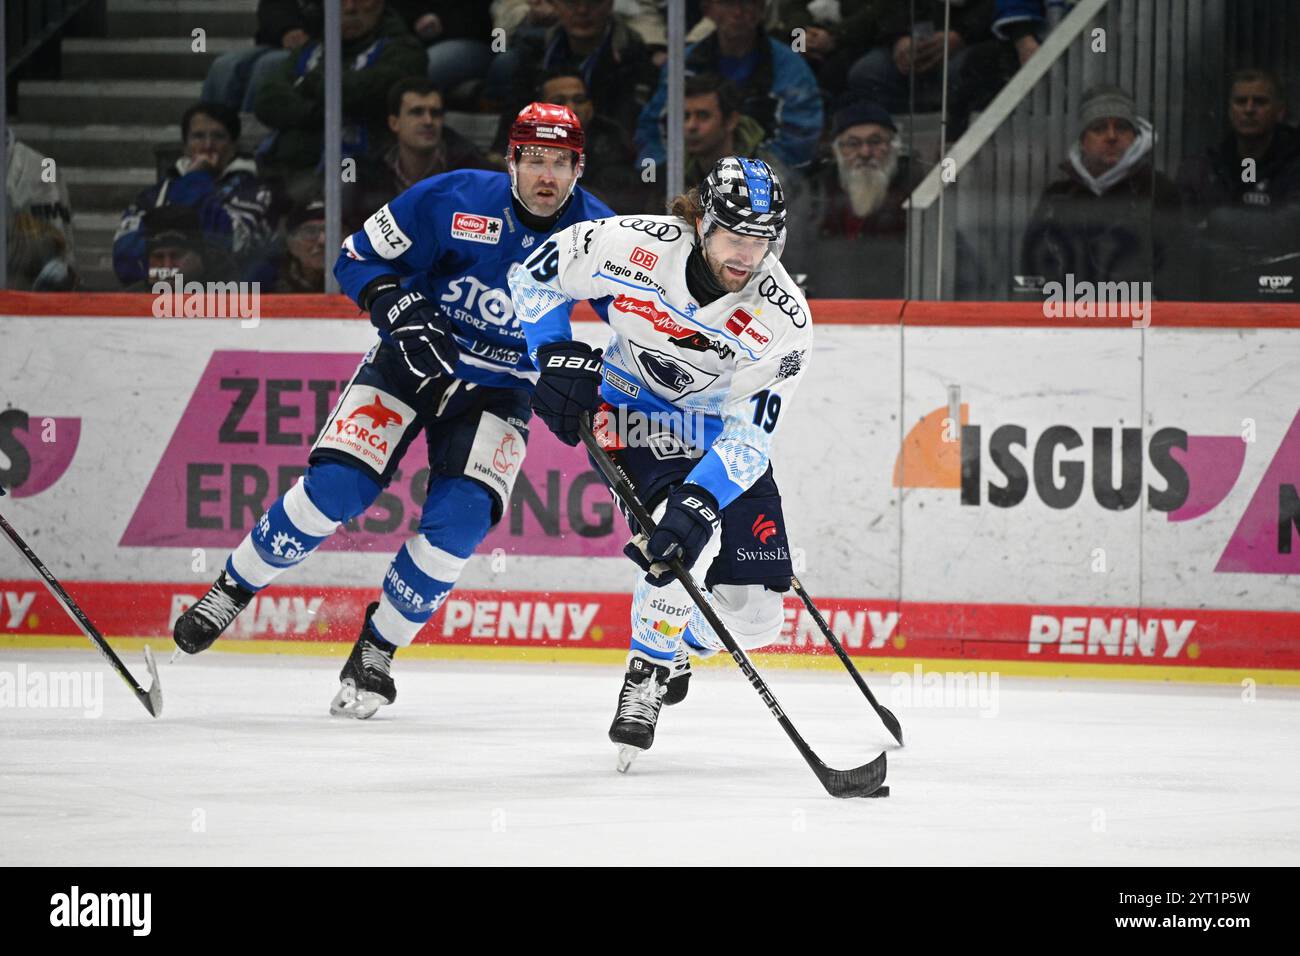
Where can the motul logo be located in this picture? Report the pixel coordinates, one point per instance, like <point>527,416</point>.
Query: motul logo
<point>764,528</point>
<point>348,429</point>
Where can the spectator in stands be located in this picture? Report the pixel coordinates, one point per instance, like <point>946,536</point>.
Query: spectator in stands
<point>423,146</point>
<point>525,23</point>
<point>835,34</point>
<point>1019,27</point>
<point>914,50</point>
<point>283,26</point>
<point>609,159</point>
<point>590,38</point>
<point>300,267</point>
<point>458,36</point>
<point>378,51</point>
<point>1243,196</point>
<point>39,225</point>
<point>234,208</point>
<point>175,245</point>
<point>1110,218</point>
<point>856,207</point>
<point>715,127</point>
<point>776,86</point>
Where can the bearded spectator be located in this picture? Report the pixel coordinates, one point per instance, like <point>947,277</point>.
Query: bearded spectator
<point>856,207</point>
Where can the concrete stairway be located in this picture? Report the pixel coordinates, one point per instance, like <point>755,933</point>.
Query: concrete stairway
<point>120,97</point>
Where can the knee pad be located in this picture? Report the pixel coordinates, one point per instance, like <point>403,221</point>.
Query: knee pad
<point>340,491</point>
<point>457,515</point>
<point>752,613</point>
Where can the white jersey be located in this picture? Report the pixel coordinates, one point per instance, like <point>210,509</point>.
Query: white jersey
<point>736,361</point>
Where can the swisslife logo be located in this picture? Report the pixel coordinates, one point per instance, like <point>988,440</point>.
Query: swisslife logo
<point>1068,465</point>
<point>35,450</point>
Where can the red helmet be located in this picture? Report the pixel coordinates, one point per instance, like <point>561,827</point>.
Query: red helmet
<point>545,124</point>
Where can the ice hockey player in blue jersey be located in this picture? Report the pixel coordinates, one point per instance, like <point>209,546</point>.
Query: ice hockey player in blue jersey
<point>430,267</point>
<point>709,338</point>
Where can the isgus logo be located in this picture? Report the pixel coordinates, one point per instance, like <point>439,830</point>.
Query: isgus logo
<point>76,909</point>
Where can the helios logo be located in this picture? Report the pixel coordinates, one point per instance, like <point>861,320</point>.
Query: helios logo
<point>75,909</point>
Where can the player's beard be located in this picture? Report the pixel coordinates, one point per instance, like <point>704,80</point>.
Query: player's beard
<point>865,183</point>
<point>725,279</point>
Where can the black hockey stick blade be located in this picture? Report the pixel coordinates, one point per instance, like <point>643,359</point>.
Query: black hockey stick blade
<point>860,781</point>
<point>151,699</point>
<point>884,713</point>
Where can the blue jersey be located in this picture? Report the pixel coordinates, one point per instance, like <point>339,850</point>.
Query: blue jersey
<point>453,238</point>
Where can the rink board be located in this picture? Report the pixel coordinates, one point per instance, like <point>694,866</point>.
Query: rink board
<point>964,482</point>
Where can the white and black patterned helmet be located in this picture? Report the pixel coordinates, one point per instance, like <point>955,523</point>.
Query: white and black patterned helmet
<point>744,196</point>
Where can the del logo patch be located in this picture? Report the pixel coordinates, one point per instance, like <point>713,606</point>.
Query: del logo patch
<point>749,330</point>
<point>467,225</point>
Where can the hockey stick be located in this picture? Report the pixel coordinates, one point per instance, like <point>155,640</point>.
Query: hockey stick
<point>860,781</point>
<point>151,698</point>
<point>884,713</point>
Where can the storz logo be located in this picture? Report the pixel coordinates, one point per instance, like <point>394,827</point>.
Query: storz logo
<point>642,257</point>
<point>663,231</point>
<point>1275,285</point>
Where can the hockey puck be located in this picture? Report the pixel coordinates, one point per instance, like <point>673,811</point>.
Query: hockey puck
<point>883,791</point>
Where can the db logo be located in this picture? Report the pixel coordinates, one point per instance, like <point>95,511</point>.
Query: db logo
<point>643,257</point>
<point>1275,283</point>
<point>506,457</point>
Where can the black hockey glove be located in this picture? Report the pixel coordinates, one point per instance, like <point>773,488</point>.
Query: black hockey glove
<point>420,332</point>
<point>569,384</point>
<point>688,523</point>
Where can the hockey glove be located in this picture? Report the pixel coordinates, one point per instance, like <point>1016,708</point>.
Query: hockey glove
<point>688,523</point>
<point>420,332</point>
<point>569,385</point>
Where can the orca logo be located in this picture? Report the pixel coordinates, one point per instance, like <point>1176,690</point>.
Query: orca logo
<point>673,376</point>
<point>380,416</point>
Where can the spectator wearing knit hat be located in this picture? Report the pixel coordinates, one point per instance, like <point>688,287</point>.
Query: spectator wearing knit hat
<point>1110,218</point>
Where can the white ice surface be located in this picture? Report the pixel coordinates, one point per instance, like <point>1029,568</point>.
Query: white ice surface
<point>482,763</point>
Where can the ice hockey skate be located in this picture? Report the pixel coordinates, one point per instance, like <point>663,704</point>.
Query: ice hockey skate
<point>366,681</point>
<point>639,702</point>
<point>198,628</point>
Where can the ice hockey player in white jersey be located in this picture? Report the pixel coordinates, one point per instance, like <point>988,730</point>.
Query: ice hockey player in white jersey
<point>709,337</point>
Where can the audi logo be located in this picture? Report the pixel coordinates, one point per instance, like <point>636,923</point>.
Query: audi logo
<point>787,303</point>
<point>663,231</point>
